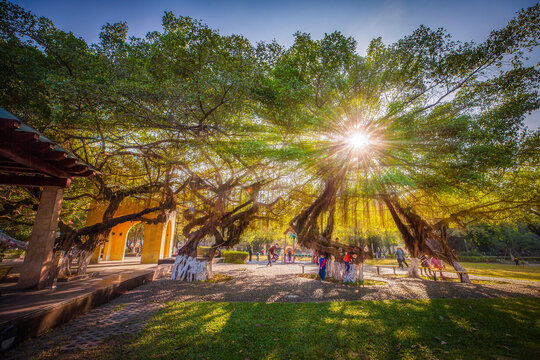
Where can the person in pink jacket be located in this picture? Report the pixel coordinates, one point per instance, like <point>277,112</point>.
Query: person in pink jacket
<point>437,264</point>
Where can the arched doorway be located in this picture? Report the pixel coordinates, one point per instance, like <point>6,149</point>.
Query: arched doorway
<point>158,237</point>
<point>134,242</point>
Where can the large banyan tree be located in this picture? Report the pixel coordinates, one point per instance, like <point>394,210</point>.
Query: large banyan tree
<point>424,117</point>
<point>428,130</point>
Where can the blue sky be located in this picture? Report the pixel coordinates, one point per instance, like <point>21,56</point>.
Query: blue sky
<point>279,19</point>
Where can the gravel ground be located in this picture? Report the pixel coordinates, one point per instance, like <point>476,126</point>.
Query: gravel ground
<point>280,283</point>
<point>252,282</point>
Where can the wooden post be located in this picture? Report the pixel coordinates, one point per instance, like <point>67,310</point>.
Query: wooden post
<point>38,259</point>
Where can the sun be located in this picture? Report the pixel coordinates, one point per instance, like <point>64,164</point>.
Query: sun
<point>359,140</point>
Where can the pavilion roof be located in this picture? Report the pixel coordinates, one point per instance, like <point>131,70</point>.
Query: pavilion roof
<point>29,158</point>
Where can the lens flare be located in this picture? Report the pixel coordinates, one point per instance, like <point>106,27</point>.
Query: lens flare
<point>359,140</point>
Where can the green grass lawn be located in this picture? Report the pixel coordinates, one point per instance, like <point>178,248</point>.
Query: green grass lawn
<point>528,272</point>
<point>398,329</point>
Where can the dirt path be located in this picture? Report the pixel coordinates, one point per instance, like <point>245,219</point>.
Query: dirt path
<point>255,282</point>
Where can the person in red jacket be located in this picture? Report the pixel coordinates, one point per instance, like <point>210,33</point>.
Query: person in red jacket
<point>322,267</point>
<point>347,261</point>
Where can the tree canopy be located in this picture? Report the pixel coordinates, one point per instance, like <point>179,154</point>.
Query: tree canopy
<point>413,137</point>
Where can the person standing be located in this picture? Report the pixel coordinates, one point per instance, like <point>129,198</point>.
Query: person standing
<point>347,260</point>
<point>270,253</point>
<point>322,267</point>
<point>289,255</point>
<point>250,251</point>
<point>400,256</point>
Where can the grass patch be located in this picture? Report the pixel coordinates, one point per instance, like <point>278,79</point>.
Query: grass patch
<point>397,329</point>
<point>366,282</point>
<point>381,262</point>
<point>528,272</point>
<point>217,278</point>
<point>119,307</point>
<point>453,279</point>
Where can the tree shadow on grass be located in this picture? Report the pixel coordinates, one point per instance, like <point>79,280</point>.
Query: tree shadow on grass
<point>423,329</point>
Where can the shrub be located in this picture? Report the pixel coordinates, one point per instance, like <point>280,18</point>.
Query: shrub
<point>235,257</point>
<point>13,253</point>
<point>202,250</point>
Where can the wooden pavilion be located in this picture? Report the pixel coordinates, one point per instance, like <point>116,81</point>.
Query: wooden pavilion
<point>27,158</point>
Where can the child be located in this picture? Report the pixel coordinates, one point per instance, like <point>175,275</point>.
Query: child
<point>347,260</point>
<point>322,267</point>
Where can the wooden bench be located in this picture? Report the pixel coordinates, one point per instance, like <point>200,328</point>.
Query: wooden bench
<point>380,266</point>
<point>433,272</point>
<point>4,271</point>
<point>459,273</point>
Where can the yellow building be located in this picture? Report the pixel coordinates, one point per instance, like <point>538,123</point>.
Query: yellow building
<point>158,238</point>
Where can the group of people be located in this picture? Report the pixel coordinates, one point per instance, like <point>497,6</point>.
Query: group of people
<point>322,262</point>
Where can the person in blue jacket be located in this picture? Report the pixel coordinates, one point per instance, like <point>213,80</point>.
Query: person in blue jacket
<point>322,266</point>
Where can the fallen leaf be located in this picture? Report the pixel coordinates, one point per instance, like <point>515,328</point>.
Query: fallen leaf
<point>416,346</point>
<point>443,342</point>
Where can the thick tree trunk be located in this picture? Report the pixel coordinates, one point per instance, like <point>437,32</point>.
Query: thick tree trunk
<point>414,270</point>
<point>355,273</point>
<point>84,259</point>
<point>337,270</point>
<point>189,269</point>
<point>60,265</point>
<point>458,267</point>
<point>209,261</point>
